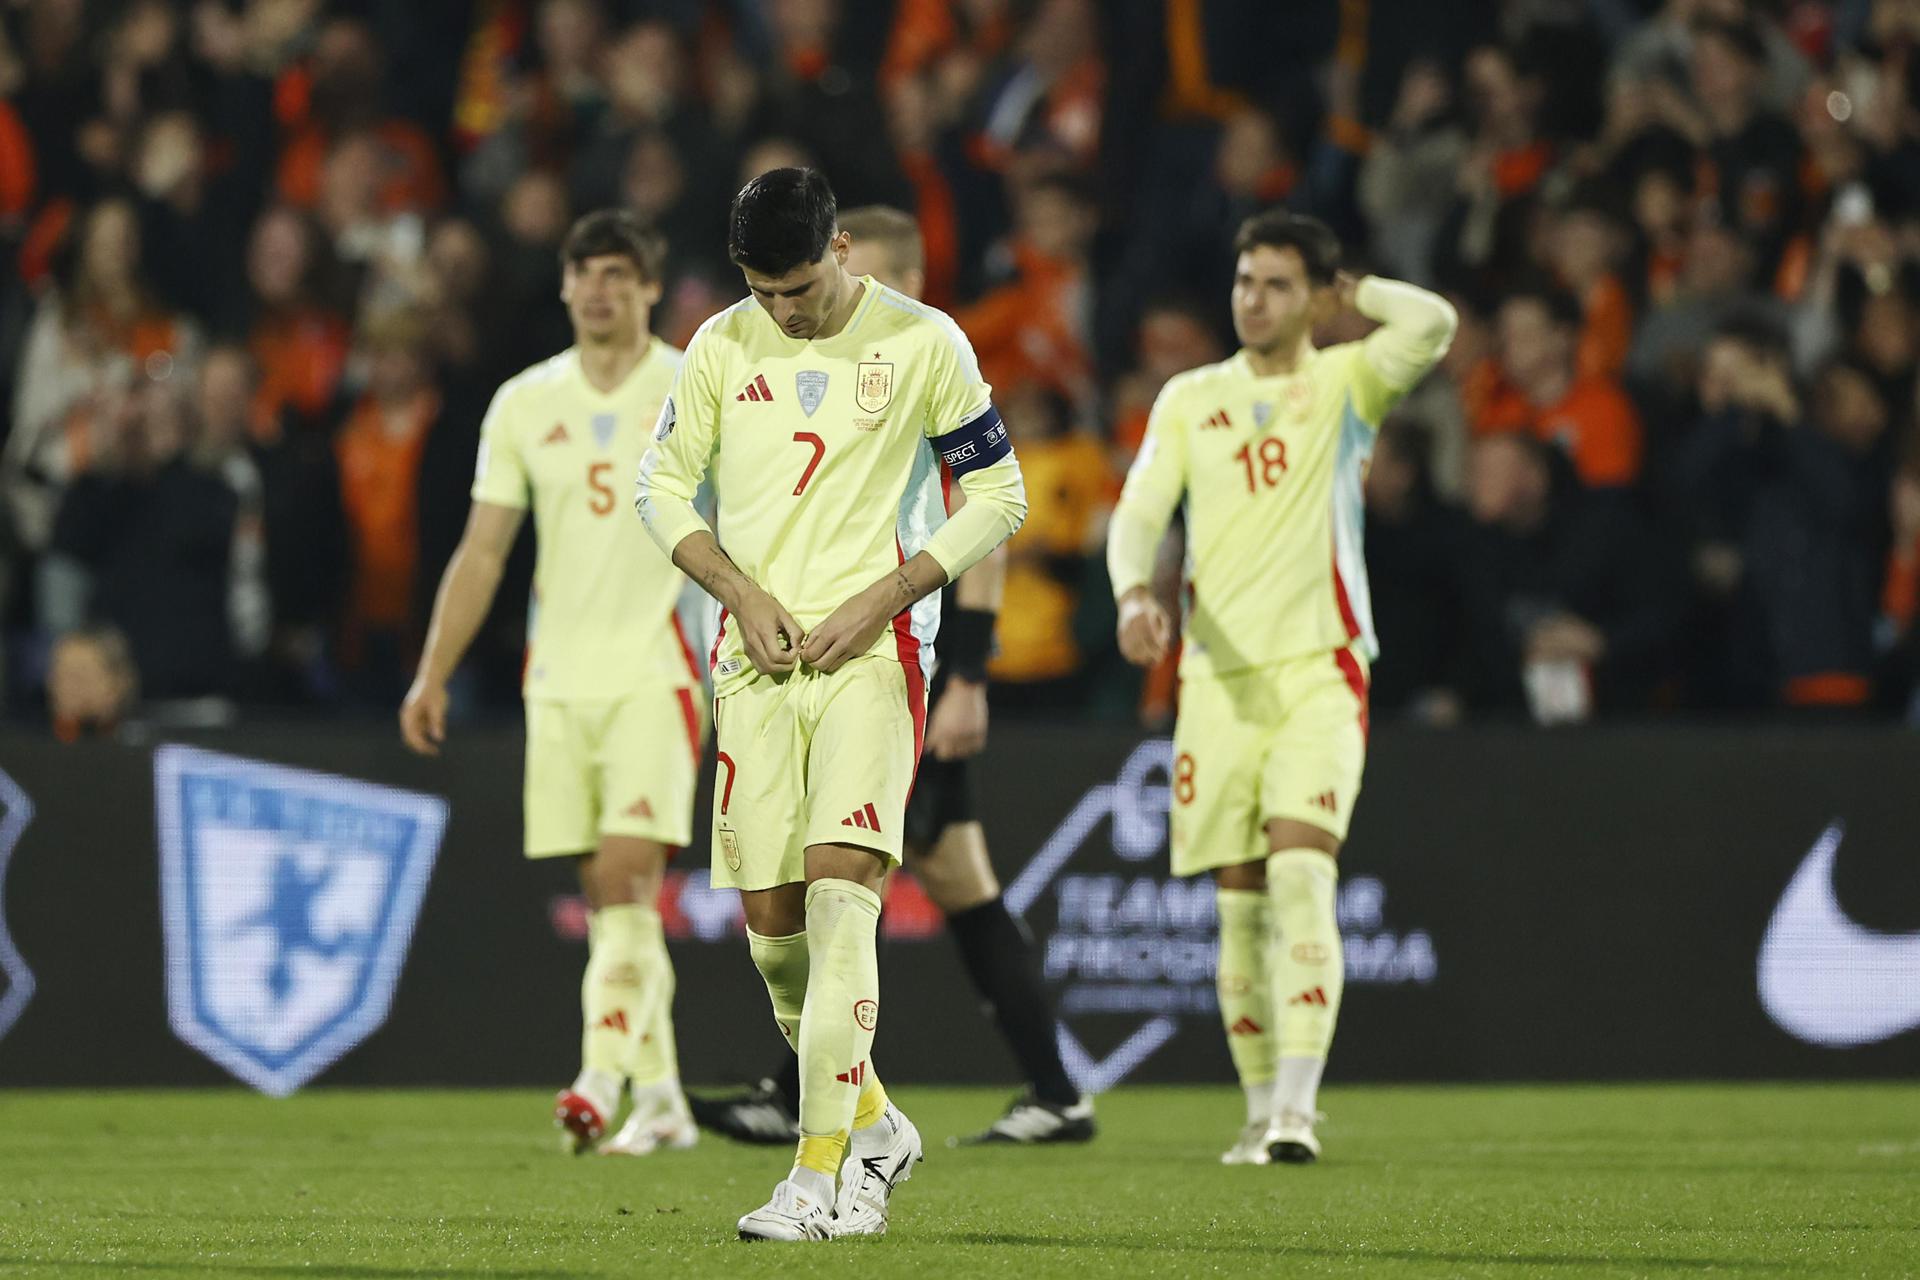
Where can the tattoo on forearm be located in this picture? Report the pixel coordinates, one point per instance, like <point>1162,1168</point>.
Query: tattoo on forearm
<point>904,584</point>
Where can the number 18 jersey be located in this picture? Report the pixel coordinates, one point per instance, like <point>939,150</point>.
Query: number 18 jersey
<point>604,624</point>
<point>1270,469</point>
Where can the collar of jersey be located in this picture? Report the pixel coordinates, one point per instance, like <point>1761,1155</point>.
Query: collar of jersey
<point>580,369</point>
<point>1306,363</point>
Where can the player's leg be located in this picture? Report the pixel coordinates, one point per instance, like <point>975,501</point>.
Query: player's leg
<point>1308,791</point>
<point>647,758</point>
<point>946,850</point>
<point>864,749</point>
<point>560,804</point>
<point>1213,820</point>
<point>758,847</point>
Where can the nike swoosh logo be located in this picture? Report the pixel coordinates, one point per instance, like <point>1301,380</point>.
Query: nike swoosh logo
<point>1825,978</point>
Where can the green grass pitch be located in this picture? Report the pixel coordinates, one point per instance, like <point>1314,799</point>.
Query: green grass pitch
<point>1559,1181</point>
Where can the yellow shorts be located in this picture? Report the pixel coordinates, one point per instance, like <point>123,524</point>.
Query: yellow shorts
<point>814,759</point>
<point>1282,741</point>
<point>619,768</point>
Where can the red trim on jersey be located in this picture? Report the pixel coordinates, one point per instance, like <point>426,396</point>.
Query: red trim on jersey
<point>1340,595</point>
<point>907,646</point>
<point>946,488</point>
<point>1356,681</point>
<point>691,714</point>
<point>713,659</point>
<point>686,649</point>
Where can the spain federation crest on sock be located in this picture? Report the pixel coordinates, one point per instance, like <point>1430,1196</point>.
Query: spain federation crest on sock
<point>289,899</point>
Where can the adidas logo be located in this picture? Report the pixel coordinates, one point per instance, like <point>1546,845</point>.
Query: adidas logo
<point>1217,419</point>
<point>1317,996</point>
<point>856,1075</point>
<point>757,389</point>
<point>558,435</point>
<point>1245,1027</point>
<point>1325,800</point>
<point>864,818</point>
<point>616,1021</point>
<point>639,809</point>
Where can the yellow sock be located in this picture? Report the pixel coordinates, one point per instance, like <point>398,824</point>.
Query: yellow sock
<point>822,1154</point>
<point>623,944</point>
<point>872,1103</point>
<point>1246,991</point>
<point>656,1058</point>
<point>1309,971</point>
<point>842,1005</point>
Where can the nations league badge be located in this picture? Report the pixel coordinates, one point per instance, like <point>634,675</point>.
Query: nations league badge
<point>289,899</point>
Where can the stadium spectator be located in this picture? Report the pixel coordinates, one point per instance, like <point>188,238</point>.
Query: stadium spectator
<point>1413,546</point>
<point>379,447</point>
<point>145,541</point>
<point>1040,661</point>
<point>297,339</point>
<point>1566,601</point>
<point>1541,393</point>
<point>1406,181</point>
<point>91,683</point>
<point>1037,326</point>
<point>1780,501</point>
<point>98,329</point>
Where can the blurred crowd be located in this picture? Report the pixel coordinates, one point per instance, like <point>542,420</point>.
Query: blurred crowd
<point>262,263</point>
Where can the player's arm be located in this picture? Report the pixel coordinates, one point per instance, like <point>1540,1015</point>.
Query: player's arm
<point>1416,327</point>
<point>980,455</point>
<point>665,491</point>
<point>957,724</point>
<point>1154,484</point>
<point>466,593</point>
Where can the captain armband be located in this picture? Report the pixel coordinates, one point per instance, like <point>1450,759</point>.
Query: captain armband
<point>979,442</point>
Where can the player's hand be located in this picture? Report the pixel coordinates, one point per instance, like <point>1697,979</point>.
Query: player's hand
<point>850,630</point>
<point>768,631</point>
<point>1145,629</point>
<point>423,717</point>
<point>958,726</point>
<point>1345,285</point>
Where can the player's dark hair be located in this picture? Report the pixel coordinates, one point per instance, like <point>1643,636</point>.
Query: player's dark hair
<point>781,220</point>
<point>1311,238</point>
<point>621,231</point>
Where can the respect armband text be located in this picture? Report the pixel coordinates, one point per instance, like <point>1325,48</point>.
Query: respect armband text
<point>972,445</point>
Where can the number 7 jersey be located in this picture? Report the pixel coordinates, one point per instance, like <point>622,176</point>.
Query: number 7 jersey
<point>604,621</point>
<point>822,459</point>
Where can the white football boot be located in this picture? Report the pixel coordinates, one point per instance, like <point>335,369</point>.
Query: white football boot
<point>1290,1138</point>
<point>659,1121</point>
<point>876,1164</point>
<point>792,1214</point>
<point>1250,1147</point>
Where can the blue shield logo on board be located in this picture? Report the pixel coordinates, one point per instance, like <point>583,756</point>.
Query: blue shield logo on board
<point>16,980</point>
<point>289,899</point>
<point>811,385</point>
<point>603,428</point>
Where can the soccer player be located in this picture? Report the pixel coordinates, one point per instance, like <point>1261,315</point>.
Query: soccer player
<point>945,846</point>
<point>1267,448</point>
<point>824,407</point>
<point>614,703</point>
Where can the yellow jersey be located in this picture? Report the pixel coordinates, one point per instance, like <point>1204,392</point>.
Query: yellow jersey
<point>604,622</point>
<point>827,459</point>
<point>1270,469</point>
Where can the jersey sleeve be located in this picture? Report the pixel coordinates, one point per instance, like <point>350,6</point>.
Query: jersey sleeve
<point>499,470</point>
<point>972,443</point>
<point>684,440</point>
<point>1154,485</point>
<point>1416,327</point>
